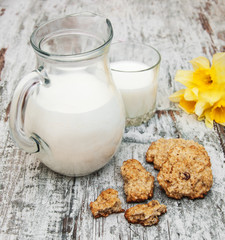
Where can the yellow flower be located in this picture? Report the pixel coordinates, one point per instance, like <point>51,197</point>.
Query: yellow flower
<point>218,112</point>
<point>205,89</point>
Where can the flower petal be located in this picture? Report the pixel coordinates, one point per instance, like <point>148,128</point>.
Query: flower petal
<point>206,116</point>
<point>200,107</point>
<point>219,59</point>
<point>212,95</point>
<point>208,123</point>
<point>191,94</point>
<point>187,106</point>
<point>202,117</point>
<point>185,77</point>
<point>218,112</point>
<point>200,62</point>
<point>218,68</point>
<point>219,75</point>
<point>176,97</point>
<point>195,91</point>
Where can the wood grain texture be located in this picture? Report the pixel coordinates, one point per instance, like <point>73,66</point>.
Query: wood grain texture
<point>36,203</point>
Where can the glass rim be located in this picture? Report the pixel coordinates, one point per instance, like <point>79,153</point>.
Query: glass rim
<point>94,50</point>
<point>142,45</point>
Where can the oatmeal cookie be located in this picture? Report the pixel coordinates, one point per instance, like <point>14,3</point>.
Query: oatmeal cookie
<point>107,203</point>
<point>145,214</point>
<point>138,183</point>
<point>158,151</point>
<point>186,173</point>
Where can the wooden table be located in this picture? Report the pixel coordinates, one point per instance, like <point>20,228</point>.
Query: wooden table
<point>36,203</point>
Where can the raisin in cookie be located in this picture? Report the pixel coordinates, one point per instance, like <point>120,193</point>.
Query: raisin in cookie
<point>107,203</point>
<point>138,183</point>
<point>145,214</point>
<point>186,173</point>
<point>158,151</point>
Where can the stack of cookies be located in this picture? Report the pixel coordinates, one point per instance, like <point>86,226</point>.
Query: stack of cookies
<point>184,171</point>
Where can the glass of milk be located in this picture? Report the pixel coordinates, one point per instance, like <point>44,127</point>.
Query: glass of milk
<point>68,111</point>
<point>135,70</point>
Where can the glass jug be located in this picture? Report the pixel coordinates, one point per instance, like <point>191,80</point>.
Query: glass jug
<point>68,111</point>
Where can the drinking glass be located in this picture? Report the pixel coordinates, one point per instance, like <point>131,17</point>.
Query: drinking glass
<point>135,69</point>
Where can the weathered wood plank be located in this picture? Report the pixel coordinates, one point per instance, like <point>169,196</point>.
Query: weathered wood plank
<point>41,195</point>
<point>36,203</point>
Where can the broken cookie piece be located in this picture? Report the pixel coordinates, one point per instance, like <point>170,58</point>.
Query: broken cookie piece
<point>106,203</point>
<point>145,214</point>
<point>138,183</point>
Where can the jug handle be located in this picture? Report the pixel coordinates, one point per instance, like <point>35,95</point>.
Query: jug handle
<point>17,112</point>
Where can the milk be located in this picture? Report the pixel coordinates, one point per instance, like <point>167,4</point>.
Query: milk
<point>79,121</point>
<point>138,86</point>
